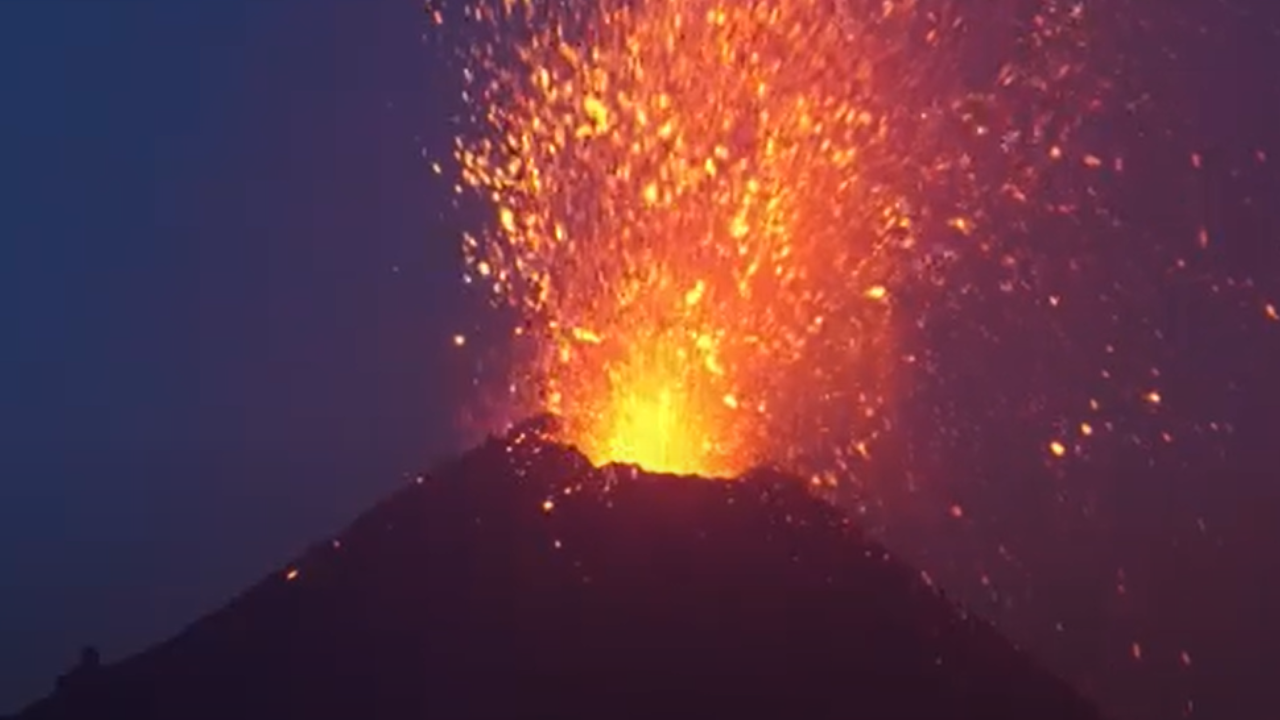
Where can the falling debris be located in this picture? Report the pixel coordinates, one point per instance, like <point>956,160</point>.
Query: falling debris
<point>769,173</point>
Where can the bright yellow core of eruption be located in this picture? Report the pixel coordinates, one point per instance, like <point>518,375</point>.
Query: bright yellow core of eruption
<point>651,421</point>
<point>653,407</point>
<point>693,200</point>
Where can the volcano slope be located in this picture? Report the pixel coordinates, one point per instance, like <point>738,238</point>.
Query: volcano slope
<point>521,582</point>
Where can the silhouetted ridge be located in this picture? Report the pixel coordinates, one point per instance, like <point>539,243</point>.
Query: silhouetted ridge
<point>520,582</point>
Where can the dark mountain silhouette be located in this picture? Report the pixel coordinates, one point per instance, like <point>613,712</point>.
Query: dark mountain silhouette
<point>520,582</point>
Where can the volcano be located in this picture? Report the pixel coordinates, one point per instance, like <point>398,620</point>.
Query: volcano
<point>519,581</point>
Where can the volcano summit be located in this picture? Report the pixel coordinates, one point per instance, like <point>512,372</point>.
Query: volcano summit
<point>519,581</point>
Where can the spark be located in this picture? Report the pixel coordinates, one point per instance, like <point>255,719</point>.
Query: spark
<point>291,574</point>
<point>795,231</point>
<point>694,200</point>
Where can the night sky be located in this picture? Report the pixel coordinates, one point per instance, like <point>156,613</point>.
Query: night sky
<point>231,283</point>
<point>226,296</point>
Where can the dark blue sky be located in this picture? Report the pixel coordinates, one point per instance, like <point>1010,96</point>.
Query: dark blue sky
<point>209,356</point>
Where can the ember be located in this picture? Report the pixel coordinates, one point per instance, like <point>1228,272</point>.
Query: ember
<point>718,217</point>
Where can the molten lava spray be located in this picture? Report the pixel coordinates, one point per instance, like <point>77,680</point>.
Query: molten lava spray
<point>950,258</point>
<point>707,210</point>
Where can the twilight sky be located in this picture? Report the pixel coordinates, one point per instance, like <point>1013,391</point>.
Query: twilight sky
<point>226,296</point>
<point>230,282</point>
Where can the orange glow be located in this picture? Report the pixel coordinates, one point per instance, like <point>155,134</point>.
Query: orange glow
<point>704,211</point>
<point>292,574</point>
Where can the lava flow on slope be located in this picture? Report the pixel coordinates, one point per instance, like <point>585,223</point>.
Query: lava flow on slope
<point>522,581</point>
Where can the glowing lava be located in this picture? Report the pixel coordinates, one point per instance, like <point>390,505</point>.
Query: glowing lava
<point>706,210</point>
<point>937,253</point>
